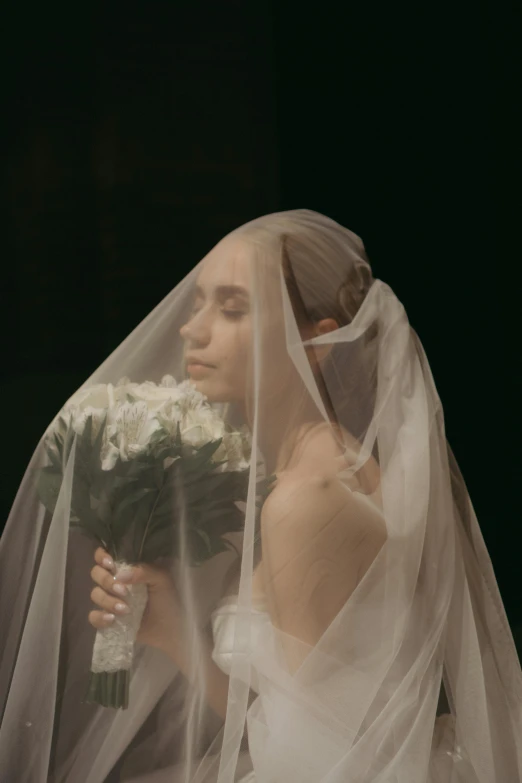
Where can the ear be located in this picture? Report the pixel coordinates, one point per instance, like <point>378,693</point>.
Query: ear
<point>324,326</point>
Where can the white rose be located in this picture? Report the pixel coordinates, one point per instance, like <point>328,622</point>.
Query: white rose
<point>156,396</point>
<point>118,393</point>
<point>90,397</point>
<point>201,426</point>
<point>192,431</point>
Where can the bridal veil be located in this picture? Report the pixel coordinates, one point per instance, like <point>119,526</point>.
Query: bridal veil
<point>411,676</point>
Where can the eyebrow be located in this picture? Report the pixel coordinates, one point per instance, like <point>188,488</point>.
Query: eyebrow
<point>225,291</point>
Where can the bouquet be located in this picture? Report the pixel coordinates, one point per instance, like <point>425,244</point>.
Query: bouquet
<point>146,455</point>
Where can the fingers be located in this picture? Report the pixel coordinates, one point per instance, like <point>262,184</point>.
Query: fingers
<point>108,593</point>
<point>104,579</point>
<point>104,559</point>
<point>105,574</point>
<point>100,619</point>
<point>108,602</point>
<point>143,574</point>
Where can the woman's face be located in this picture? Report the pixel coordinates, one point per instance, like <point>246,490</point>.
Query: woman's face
<point>218,333</point>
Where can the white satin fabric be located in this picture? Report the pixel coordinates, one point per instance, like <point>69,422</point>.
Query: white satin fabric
<point>223,629</point>
<point>445,757</point>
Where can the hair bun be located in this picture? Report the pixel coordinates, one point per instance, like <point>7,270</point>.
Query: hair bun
<point>353,290</point>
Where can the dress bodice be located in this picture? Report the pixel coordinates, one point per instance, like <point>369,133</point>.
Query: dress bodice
<point>223,619</point>
<point>223,627</point>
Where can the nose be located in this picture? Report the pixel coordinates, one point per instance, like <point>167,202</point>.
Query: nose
<point>196,330</point>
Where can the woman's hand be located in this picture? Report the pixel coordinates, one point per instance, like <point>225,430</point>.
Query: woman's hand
<point>161,620</point>
<point>161,625</point>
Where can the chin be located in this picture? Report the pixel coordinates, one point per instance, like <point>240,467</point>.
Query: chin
<point>210,390</point>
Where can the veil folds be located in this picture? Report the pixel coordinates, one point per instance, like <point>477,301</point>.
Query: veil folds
<point>363,636</point>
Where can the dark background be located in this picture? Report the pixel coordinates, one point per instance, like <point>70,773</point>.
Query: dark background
<point>136,136</point>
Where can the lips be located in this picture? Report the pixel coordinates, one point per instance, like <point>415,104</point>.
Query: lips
<point>198,370</point>
<point>195,362</point>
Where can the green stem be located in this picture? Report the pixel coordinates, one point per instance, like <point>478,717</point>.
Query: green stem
<point>109,689</point>
<point>149,521</point>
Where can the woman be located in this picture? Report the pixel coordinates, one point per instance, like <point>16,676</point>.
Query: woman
<point>359,635</point>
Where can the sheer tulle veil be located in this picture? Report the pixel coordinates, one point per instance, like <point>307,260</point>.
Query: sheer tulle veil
<point>381,652</point>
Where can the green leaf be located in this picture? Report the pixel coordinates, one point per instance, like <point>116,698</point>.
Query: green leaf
<point>54,456</point>
<point>171,451</point>
<point>133,498</point>
<point>132,519</point>
<point>213,483</point>
<point>159,543</point>
<point>120,482</point>
<point>49,484</point>
<point>158,436</point>
<point>205,538</point>
<point>86,435</point>
<point>137,467</point>
<point>92,527</point>
<point>178,442</point>
<point>221,545</point>
<point>201,456</point>
<point>58,442</point>
<point>96,448</point>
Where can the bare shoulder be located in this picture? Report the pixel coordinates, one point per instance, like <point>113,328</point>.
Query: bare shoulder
<point>313,483</point>
<point>306,503</point>
<point>319,539</point>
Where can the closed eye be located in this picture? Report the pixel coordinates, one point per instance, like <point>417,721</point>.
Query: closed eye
<point>233,314</point>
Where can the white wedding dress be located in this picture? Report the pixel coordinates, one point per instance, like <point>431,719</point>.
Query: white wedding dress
<point>222,619</point>
<point>223,627</point>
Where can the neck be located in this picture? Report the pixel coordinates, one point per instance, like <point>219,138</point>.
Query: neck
<point>283,420</point>
<point>281,428</point>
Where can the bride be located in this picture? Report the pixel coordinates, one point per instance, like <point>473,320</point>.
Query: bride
<point>353,631</point>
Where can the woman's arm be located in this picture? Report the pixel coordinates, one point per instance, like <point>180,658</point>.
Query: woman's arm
<point>215,680</point>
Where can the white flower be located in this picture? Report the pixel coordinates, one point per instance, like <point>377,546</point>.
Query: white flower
<point>234,449</point>
<point>101,396</point>
<point>155,396</point>
<point>168,380</point>
<point>90,397</point>
<point>213,424</point>
<point>189,408</point>
<point>134,412</point>
<point>201,425</point>
<point>169,415</point>
<point>109,455</point>
<point>190,398</point>
<point>118,393</point>
<point>129,433</point>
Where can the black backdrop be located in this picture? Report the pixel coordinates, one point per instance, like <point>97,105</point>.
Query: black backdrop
<point>135,136</point>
